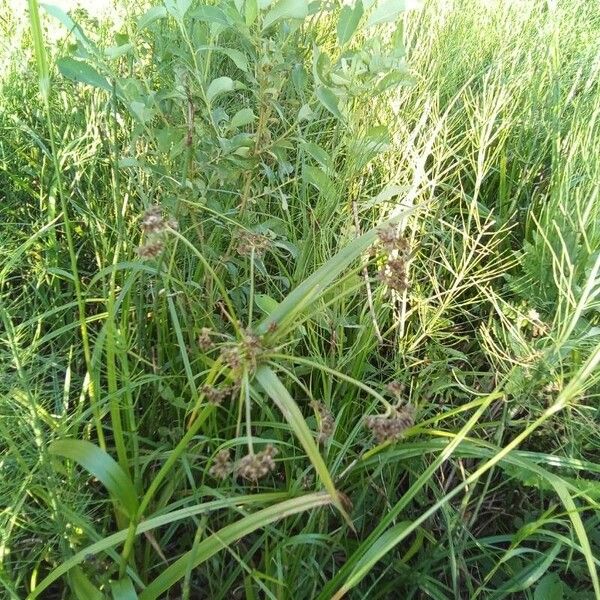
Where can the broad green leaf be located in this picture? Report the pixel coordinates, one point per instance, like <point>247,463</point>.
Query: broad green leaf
<point>286,9</point>
<point>177,8</point>
<point>211,14</point>
<point>227,536</point>
<point>305,113</point>
<point>102,466</point>
<point>549,587</point>
<point>118,51</point>
<point>242,117</point>
<point>278,393</point>
<point>348,22</point>
<point>117,538</point>
<point>153,14</point>
<point>82,72</point>
<point>329,100</point>
<point>393,79</point>
<point>123,589</point>
<point>317,178</point>
<point>318,153</point>
<point>218,86</point>
<point>389,10</point>
<point>239,58</point>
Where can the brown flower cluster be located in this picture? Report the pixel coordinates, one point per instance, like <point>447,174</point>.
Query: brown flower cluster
<point>216,395</point>
<point>222,466</point>
<point>246,352</point>
<point>253,467</point>
<point>395,388</point>
<point>325,420</point>
<point>154,227</point>
<point>232,357</point>
<point>394,273</point>
<point>249,241</point>
<point>151,249</point>
<point>152,220</point>
<point>391,427</point>
<point>205,342</point>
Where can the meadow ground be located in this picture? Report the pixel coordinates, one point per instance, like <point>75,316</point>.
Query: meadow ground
<point>300,300</point>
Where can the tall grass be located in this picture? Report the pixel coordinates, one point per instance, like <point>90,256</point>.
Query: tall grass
<point>199,400</point>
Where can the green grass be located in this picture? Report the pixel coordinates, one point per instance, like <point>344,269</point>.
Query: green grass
<point>247,327</point>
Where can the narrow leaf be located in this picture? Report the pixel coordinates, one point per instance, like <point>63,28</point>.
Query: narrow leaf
<point>71,26</point>
<point>272,385</point>
<point>177,515</point>
<point>82,587</point>
<point>526,577</point>
<point>315,285</point>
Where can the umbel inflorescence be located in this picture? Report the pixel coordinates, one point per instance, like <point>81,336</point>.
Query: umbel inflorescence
<point>394,272</point>
<point>154,227</point>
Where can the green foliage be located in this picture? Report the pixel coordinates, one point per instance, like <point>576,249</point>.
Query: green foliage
<point>335,318</point>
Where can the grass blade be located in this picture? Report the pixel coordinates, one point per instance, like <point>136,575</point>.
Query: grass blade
<point>228,535</point>
<point>275,389</point>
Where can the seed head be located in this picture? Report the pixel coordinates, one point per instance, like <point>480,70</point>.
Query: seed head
<point>232,357</point>
<point>216,395</point>
<point>394,275</point>
<point>395,388</point>
<point>152,220</point>
<point>393,241</point>
<point>222,466</point>
<point>249,241</point>
<point>326,421</point>
<point>253,467</point>
<point>151,250</point>
<point>205,342</point>
<point>391,427</point>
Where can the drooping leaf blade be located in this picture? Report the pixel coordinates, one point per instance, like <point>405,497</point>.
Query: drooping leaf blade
<point>272,385</point>
<point>329,100</point>
<point>102,466</point>
<point>219,86</point>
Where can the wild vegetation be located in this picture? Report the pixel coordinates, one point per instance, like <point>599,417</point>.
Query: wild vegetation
<point>300,300</point>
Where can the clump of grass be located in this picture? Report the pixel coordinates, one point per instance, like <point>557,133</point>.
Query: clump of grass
<point>236,290</point>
